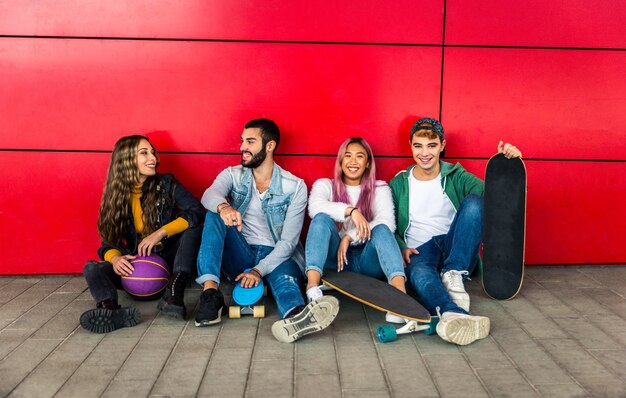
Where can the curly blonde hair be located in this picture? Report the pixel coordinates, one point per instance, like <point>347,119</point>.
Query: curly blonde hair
<point>122,176</point>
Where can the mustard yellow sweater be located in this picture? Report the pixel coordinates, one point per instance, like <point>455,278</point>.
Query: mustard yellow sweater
<point>175,227</point>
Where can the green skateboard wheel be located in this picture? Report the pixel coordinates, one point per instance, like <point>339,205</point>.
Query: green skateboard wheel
<point>387,333</point>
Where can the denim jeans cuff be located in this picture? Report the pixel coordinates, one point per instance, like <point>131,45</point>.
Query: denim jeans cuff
<point>207,277</point>
<point>313,268</point>
<point>393,275</point>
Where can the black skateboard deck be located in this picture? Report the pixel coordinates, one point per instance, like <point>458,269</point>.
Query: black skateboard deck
<point>377,294</point>
<point>504,227</point>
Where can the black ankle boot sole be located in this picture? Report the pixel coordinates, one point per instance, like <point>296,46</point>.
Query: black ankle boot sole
<point>104,320</point>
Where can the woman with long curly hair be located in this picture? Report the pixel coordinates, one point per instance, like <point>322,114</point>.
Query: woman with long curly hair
<point>141,212</point>
<point>353,223</point>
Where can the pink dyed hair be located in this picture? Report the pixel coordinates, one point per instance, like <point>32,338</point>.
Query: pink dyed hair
<point>365,203</point>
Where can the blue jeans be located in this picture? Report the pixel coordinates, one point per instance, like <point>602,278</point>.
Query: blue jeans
<point>379,257</point>
<point>225,248</point>
<point>455,250</point>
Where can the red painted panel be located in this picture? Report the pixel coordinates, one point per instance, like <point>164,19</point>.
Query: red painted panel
<point>60,220</point>
<point>551,104</point>
<point>559,193</point>
<point>400,21</point>
<point>49,212</point>
<point>575,213</point>
<point>49,215</point>
<point>83,94</point>
<point>557,23</point>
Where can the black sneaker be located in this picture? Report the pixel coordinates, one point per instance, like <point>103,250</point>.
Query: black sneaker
<point>105,320</point>
<point>317,315</point>
<point>173,301</point>
<point>210,308</point>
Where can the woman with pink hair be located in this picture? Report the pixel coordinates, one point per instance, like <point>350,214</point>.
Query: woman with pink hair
<point>353,223</point>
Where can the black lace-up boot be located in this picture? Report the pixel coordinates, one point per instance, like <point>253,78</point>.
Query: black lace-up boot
<point>173,301</point>
<point>109,316</point>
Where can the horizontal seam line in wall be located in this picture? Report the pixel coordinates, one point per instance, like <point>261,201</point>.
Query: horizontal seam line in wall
<point>520,47</point>
<point>222,40</point>
<point>563,48</point>
<point>318,155</point>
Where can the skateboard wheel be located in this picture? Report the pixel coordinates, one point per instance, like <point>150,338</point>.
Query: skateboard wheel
<point>387,333</point>
<point>258,311</point>
<point>433,326</point>
<point>234,311</point>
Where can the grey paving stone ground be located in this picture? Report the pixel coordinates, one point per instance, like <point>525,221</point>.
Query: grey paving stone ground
<point>564,335</point>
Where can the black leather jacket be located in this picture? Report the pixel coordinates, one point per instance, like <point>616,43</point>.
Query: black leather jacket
<point>174,201</point>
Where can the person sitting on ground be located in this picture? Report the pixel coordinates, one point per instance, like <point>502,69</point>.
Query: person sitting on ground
<point>141,212</point>
<point>255,217</point>
<point>439,217</point>
<point>353,223</point>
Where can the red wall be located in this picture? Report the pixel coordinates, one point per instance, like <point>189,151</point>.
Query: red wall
<point>77,75</point>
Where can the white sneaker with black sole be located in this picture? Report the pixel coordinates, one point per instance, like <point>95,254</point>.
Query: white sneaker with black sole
<point>315,316</point>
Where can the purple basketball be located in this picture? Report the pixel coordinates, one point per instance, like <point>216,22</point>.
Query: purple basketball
<point>149,278</point>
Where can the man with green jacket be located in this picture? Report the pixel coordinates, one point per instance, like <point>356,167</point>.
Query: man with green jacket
<point>439,228</point>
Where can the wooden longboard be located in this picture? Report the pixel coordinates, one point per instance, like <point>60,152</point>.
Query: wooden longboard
<point>504,227</point>
<point>377,294</point>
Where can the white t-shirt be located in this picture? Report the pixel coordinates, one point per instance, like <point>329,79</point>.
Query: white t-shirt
<point>254,227</point>
<point>430,211</point>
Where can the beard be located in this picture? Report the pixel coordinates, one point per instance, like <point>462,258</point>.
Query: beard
<point>256,160</point>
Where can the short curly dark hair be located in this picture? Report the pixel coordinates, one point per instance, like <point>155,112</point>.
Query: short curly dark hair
<point>269,130</point>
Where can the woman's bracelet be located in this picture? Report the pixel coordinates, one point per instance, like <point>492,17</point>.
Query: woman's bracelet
<point>219,210</point>
<point>352,211</point>
<point>256,271</point>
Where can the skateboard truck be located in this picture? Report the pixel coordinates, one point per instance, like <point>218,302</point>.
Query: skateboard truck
<point>388,333</point>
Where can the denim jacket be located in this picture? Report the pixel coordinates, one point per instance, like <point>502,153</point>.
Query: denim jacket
<point>284,207</point>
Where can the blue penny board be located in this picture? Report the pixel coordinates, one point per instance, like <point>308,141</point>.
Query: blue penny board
<point>504,227</point>
<point>376,294</point>
<point>247,296</point>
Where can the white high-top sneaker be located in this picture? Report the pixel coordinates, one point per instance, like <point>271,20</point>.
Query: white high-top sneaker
<point>453,282</point>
